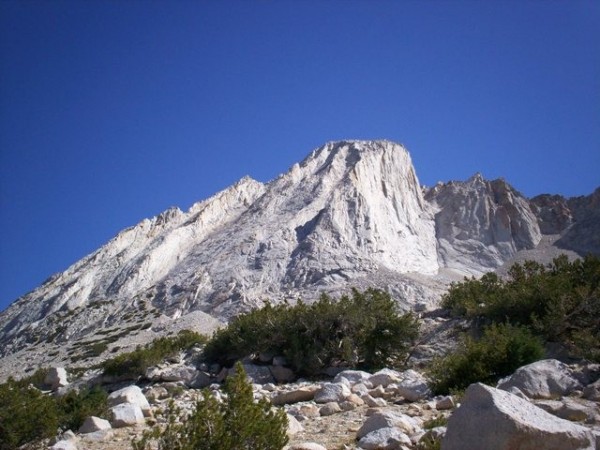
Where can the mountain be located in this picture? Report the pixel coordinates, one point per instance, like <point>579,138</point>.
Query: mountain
<point>351,214</point>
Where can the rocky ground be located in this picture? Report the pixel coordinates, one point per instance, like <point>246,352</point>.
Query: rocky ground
<point>540,405</point>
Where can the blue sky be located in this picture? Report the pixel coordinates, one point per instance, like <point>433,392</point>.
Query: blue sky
<point>113,111</point>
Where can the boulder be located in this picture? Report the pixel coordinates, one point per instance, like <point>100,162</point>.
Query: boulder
<point>413,386</point>
<point>445,403</point>
<point>306,446</point>
<point>282,374</point>
<point>353,376</point>
<point>548,378</point>
<point>332,392</point>
<point>383,439</point>
<point>93,424</point>
<point>56,378</point>
<point>330,408</point>
<point>387,419</point>
<point>65,445</point>
<point>303,394</point>
<point>384,377</point>
<point>592,391</point>
<point>256,374</point>
<point>132,395</point>
<point>126,415</point>
<point>493,419</point>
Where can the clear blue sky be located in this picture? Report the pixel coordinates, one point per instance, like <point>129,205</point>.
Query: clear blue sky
<point>113,111</point>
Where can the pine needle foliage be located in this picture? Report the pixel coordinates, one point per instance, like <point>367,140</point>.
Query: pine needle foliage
<point>363,330</point>
<point>559,302</point>
<point>133,365</point>
<point>236,423</point>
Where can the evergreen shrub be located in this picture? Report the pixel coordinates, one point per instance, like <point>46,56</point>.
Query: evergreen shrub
<point>363,330</point>
<point>235,423</point>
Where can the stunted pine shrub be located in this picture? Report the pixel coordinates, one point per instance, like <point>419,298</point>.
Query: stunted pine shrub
<point>134,364</point>
<point>363,330</point>
<point>559,302</point>
<point>236,423</point>
<point>501,350</point>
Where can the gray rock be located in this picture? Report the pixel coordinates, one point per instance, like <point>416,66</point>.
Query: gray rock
<point>413,386</point>
<point>132,395</point>
<point>256,374</point>
<point>306,446</point>
<point>294,427</point>
<point>445,403</point>
<point>592,391</point>
<point>282,374</point>
<point>56,378</point>
<point>65,445</point>
<point>332,392</point>
<point>126,415</point>
<point>387,419</point>
<point>93,423</point>
<point>384,377</point>
<point>303,394</point>
<point>330,408</point>
<point>548,378</point>
<point>353,376</point>
<point>493,419</point>
<point>384,439</point>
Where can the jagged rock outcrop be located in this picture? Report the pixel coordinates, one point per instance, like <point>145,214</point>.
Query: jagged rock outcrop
<point>480,224</point>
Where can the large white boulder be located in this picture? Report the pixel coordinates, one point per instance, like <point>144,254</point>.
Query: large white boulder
<point>126,415</point>
<point>352,376</point>
<point>547,378</point>
<point>493,419</point>
<point>133,395</point>
<point>385,377</point>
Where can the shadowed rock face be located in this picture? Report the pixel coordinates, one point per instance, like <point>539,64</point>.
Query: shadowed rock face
<point>480,224</point>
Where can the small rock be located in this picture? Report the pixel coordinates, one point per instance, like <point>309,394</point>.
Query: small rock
<point>332,392</point>
<point>303,394</point>
<point>384,377</point>
<point>373,402</point>
<point>445,403</point>
<point>294,427</point>
<point>383,439</point>
<point>353,376</point>
<point>592,391</point>
<point>387,419</point>
<point>65,445</point>
<point>306,446</point>
<point>330,409</point>
<point>92,424</point>
<point>282,374</point>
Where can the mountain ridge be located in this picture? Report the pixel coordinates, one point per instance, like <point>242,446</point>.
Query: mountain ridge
<point>352,213</point>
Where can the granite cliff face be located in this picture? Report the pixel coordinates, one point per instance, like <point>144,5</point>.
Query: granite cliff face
<point>480,224</point>
<point>351,214</point>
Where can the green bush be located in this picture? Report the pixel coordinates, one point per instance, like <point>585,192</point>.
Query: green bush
<point>501,350</point>
<point>237,423</point>
<point>28,415</point>
<point>364,331</point>
<point>560,302</point>
<point>134,364</point>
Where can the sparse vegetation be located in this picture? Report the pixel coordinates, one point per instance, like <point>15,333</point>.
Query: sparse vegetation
<point>236,423</point>
<point>27,414</point>
<point>515,317</point>
<point>134,364</point>
<point>501,350</point>
<point>363,330</point>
